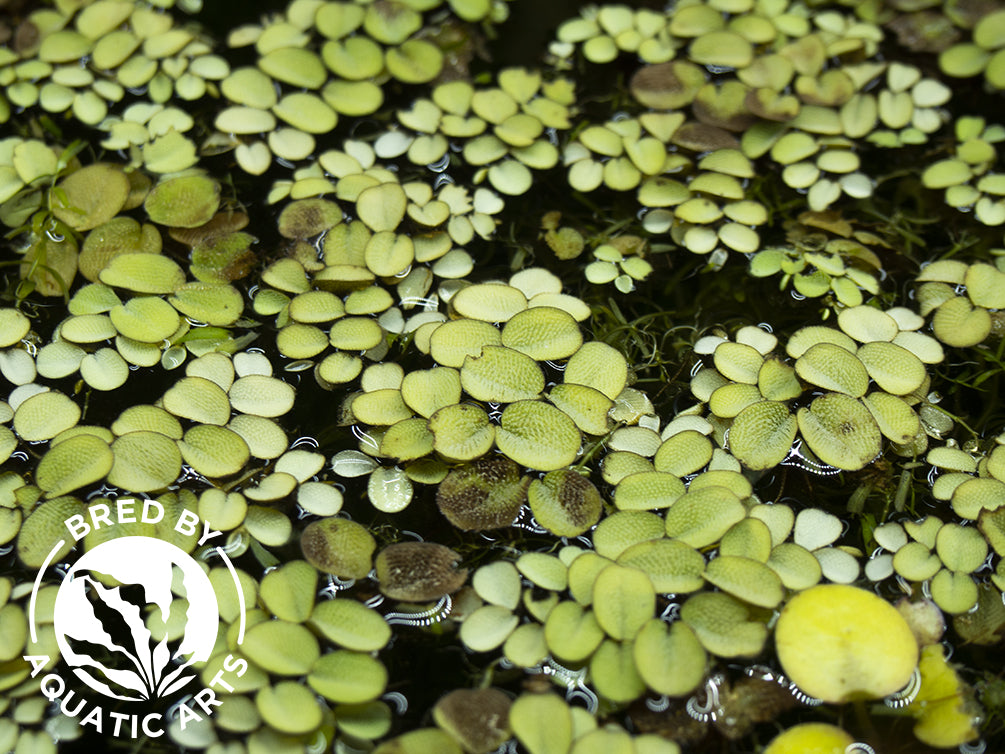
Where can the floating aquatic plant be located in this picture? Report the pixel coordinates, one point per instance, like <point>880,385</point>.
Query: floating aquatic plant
<point>424,424</point>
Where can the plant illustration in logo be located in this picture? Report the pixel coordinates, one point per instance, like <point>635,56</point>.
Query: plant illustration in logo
<point>101,629</point>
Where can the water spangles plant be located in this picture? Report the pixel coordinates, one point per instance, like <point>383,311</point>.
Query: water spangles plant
<point>528,493</point>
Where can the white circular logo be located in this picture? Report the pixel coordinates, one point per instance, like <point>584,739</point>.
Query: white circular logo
<point>102,629</point>
<point>131,617</point>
